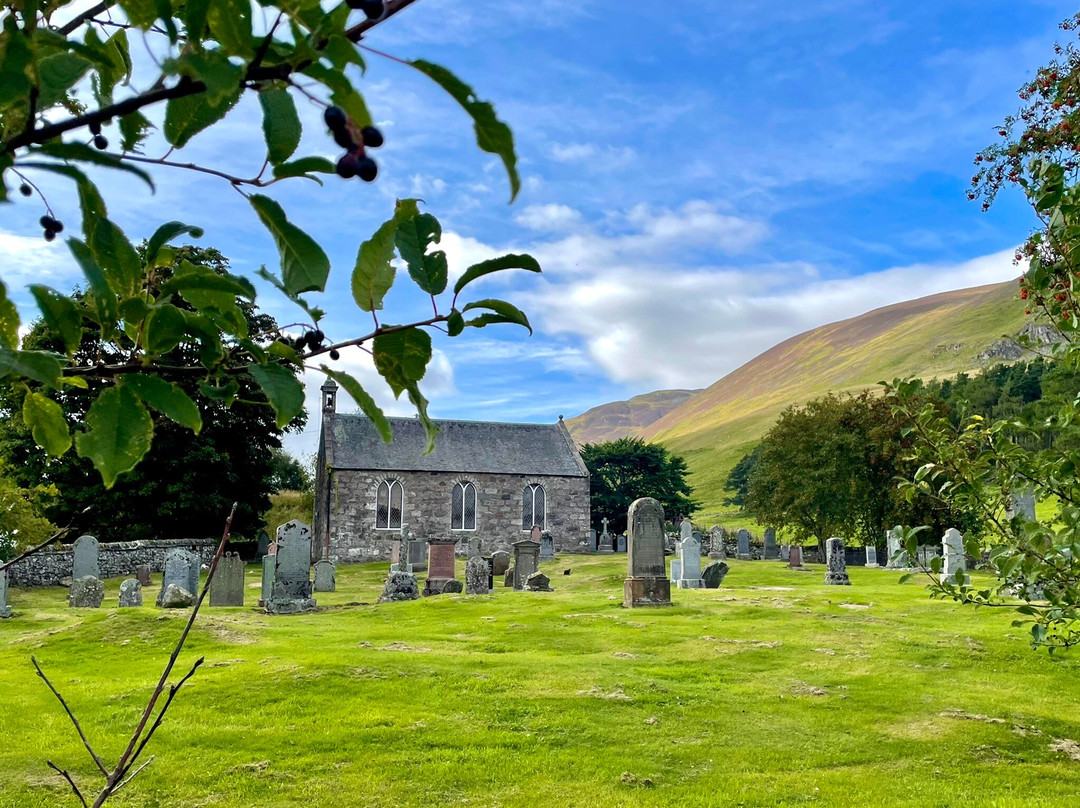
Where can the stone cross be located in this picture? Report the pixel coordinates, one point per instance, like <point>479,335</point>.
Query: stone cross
<point>690,555</point>
<point>771,553</point>
<point>85,558</point>
<point>604,524</point>
<point>836,563</point>
<point>605,547</point>
<point>291,591</point>
<point>954,561</point>
<point>227,587</point>
<point>526,561</point>
<point>743,537</point>
<point>325,576</point>
<point>646,582</point>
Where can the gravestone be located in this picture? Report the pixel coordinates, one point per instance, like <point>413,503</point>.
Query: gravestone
<point>500,562</point>
<point>898,557</point>
<point>84,558</point>
<point>646,583</point>
<point>264,544</point>
<point>836,563</point>
<point>400,556</point>
<point>291,590</point>
<point>227,586</point>
<point>5,610</point>
<point>605,547</point>
<point>1022,503</point>
<point>925,553</point>
<point>743,537</point>
<point>86,593</point>
<point>871,556</point>
<point>771,553</point>
<point>592,540</point>
<point>440,566</point>
<point>535,533</point>
<point>130,593</point>
<point>538,582</point>
<point>795,556</point>
<point>395,553</point>
<point>954,561</point>
<point>676,571</point>
<point>476,576</point>
<point>620,544</point>
<point>784,550</point>
<point>547,547</point>
<point>491,573</point>
<point>508,576</point>
<point>181,571</point>
<point>716,542</point>
<point>269,563</point>
<point>713,575</point>
<point>400,586</point>
<point>686,529</point>
<point>452,587</point>
<point>325,576</point>
<point>690,555</point>
<point>417,555</point>
<point>526,561</point>
<point>142,574</point>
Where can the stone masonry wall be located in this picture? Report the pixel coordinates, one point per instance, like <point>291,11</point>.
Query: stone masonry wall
<point>52,565</point>
<point>426,510</point>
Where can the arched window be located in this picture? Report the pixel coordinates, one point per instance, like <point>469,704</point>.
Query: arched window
<point>463,507</point>
<point>389,502</point>
<point>533,507</point>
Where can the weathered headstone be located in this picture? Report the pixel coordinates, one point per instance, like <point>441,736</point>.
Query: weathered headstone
<point>690,555</point>
<point>605,547</point>
<point>535,533</point>
<point>954,561</point>
<point>871,556</point>
<point>181,570</point>
<point>500,562</point>
<point>771,553</point>
<point>925,553</point>
<point>686,529</point>
<point>130,593</point>
<point>897,555</point>
<point>490,563</point>
<point>84,558</point>
<point>795,556</point>
<point>142,574</point>
<point>743,537</point>
<point>396,552</point>
<point>784,548</point>
<point>86,593</point>
<point>452,587</point>
<point>836,563</point>
<point>175,597</point>
<point>269,564</point>
<point>676,571</point>
<point>5,609</point>
<point>325,576</point>
<point>264,544</point>
<point>538,582</point>
<point>508,576</point>
<point>646,583</point>
<point>227,587</point>
<point>400,586</point>
<point>440,566</point>
<point>716,542</point>
<point>476,576</point>
<point>713,574</point>
<point>620,543</point>
<point>291,591</point>
<point>417,555</point>
<point>1022,504</point>
<point>547,546</point>
<point>592,540</point>
<point>526,561</point>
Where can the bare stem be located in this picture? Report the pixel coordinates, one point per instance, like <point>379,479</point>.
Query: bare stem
<point>67,777</point>
<point>53,538</point>
<point>71,715</point>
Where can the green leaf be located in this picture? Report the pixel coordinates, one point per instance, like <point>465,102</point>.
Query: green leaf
<point>373,274</point>
<point>41,366</point>
<point>57,74</point>
<point>304,265</point>
<point>504,313</point>
<point>166,233</point>
<point>213,69</point>
<point>134,127</point>
<point>61,315</point>
<point>202,286</point>
<point>401,357</point>
<point>281,124</point>
<point>119,434</point>
<point>303,168</point>
<point>117,258</point>
<point>431,429</point>
<point>9,320</point>
<point>194,14</point>
<point>342,92</point>
<point>455,323</point>
<point>230,23</point>
<point>82,152</point>
<point>413,238</point>
<point>47,424</point>
<point>282,388</point>
<point>167,398</point>
<point>492,135</point>
<point>141,13</point>
<point>510,261</point>
<point>102,296</point>
<point>165,329</point>
<point>363,400</point>
<point>15,64</point>
<point>185,117</point>
<point>226,393</point>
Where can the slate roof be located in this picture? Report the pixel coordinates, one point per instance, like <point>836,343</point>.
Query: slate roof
<point>461,447</point>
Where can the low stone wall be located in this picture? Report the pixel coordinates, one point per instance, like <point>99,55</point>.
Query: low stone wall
<point>53,564</point>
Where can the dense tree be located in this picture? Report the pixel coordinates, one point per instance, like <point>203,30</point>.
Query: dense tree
<point>628,468</point>
<point>287,473</point>
<point>738,481</point>
<point>21,521</point>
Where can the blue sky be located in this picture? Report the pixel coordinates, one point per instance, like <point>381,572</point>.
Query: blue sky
<point>700,181</point>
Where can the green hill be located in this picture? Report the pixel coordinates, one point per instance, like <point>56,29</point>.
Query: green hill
<point>620,419</point>
<point>939,335</point>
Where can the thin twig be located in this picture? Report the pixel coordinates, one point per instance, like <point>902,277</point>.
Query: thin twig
<point>173,690</point>
<point>127,780</point>
<point>53,538</point>
<point>67,777</point>
<point>71,715</point>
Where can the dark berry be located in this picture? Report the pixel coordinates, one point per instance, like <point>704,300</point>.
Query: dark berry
<point>25,189</point>
<point>301,342</point>
<point>50,234</point>
<point>94,127</point>
<point>317,337</point>
<point>334,354</point>
<point>367,169</point>
<point>373,9</point>
<point>58,225</point>
<point>354,4</point>
<point>344,138</point>
<point>335,118</point>
<point>372,137</point>
<point>45,221</point>
<point>101,142</point>
<point>347,166</point>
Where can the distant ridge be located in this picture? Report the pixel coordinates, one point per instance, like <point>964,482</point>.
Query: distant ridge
<point>622,419</point>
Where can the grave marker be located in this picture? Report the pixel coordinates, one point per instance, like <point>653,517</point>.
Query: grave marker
<point>325,576</point>
<point>795,556</point>
<point>130,593</point>
<point>690,555</point>
<point>871,556</point>
<point>954,561</point>
<point>5,610</point>
<point>526,561</point>
<point>142,574</point>
<point>547,546</point>
<point>85,558</point>
<point>476,576</point>
<point>227,586</point>
<point>440,565</point>
<point>291,590</point>
<point>86,593</point>
<point>771,553</point>
<point>836,563</point>
<point>743,537</point>
<point>606,547</point>
<point>646,583</point>
<point>181,571</point>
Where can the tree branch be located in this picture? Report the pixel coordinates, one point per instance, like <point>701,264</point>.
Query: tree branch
<point>86,16</point>
<point>71,715</point>
<point>53,538</point>
<point>67,777</point>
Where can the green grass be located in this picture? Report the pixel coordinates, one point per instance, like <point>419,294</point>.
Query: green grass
<point>771,691</point>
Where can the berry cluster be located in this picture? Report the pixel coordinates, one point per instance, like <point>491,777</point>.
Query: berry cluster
<point>51,227</point>
<point>373,9</point>
<point>309,339</point>
<point>355,162</point>
<point>100,141</point>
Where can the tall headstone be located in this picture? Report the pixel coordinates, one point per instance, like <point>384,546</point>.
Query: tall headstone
<point>547,546</point>
<point>690,555</point>
<point>954,561</point>
<point>291,591</point>
<point>771,553</point>
<point>500,562</point>
<point>836,563</point>
<point>871,556</point>
<point>5,609</point>
<point>325,576</point>
<point>85,558</point>
<point>605,547</point>
<point>417,555</point>
<point>535,533</point>
<point>440,566</point>
<point>142,574</point>
<point>269,565</point>
<point>264,544</point>
<point>784,548</point>
<point>476,576</point>
<point>795,556</point>
<point>526,561</point>
<point>130,594</point>
<point>592,540</point>
<point>1022,504</point>
<point>620,543</point>
<point>743,538</point>
<point>227,586</point>
<point>716,543</point>
<point>676,571</point>
<point>686,529</point>
<point>86,593</point>
<point>646,583</point>
<point>181,571</point>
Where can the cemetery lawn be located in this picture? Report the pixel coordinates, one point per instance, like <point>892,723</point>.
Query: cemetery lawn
<point>774,690</point>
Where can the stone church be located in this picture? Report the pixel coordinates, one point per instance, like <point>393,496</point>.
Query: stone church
<point>490,481</point>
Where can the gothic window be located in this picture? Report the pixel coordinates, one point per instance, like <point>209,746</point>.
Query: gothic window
<point>388,505</point>
<point>533,507</point>
<point>463,507</point>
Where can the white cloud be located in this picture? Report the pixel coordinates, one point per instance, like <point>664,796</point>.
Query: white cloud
<point>31,259</point>
<point>548,217</point>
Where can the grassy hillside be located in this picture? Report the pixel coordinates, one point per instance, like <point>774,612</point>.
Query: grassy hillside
<point>938,335</point>
<point>620,419</point>
<point>773,691</point>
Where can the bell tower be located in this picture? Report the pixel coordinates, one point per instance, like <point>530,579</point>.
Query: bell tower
<point>329,397</point>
